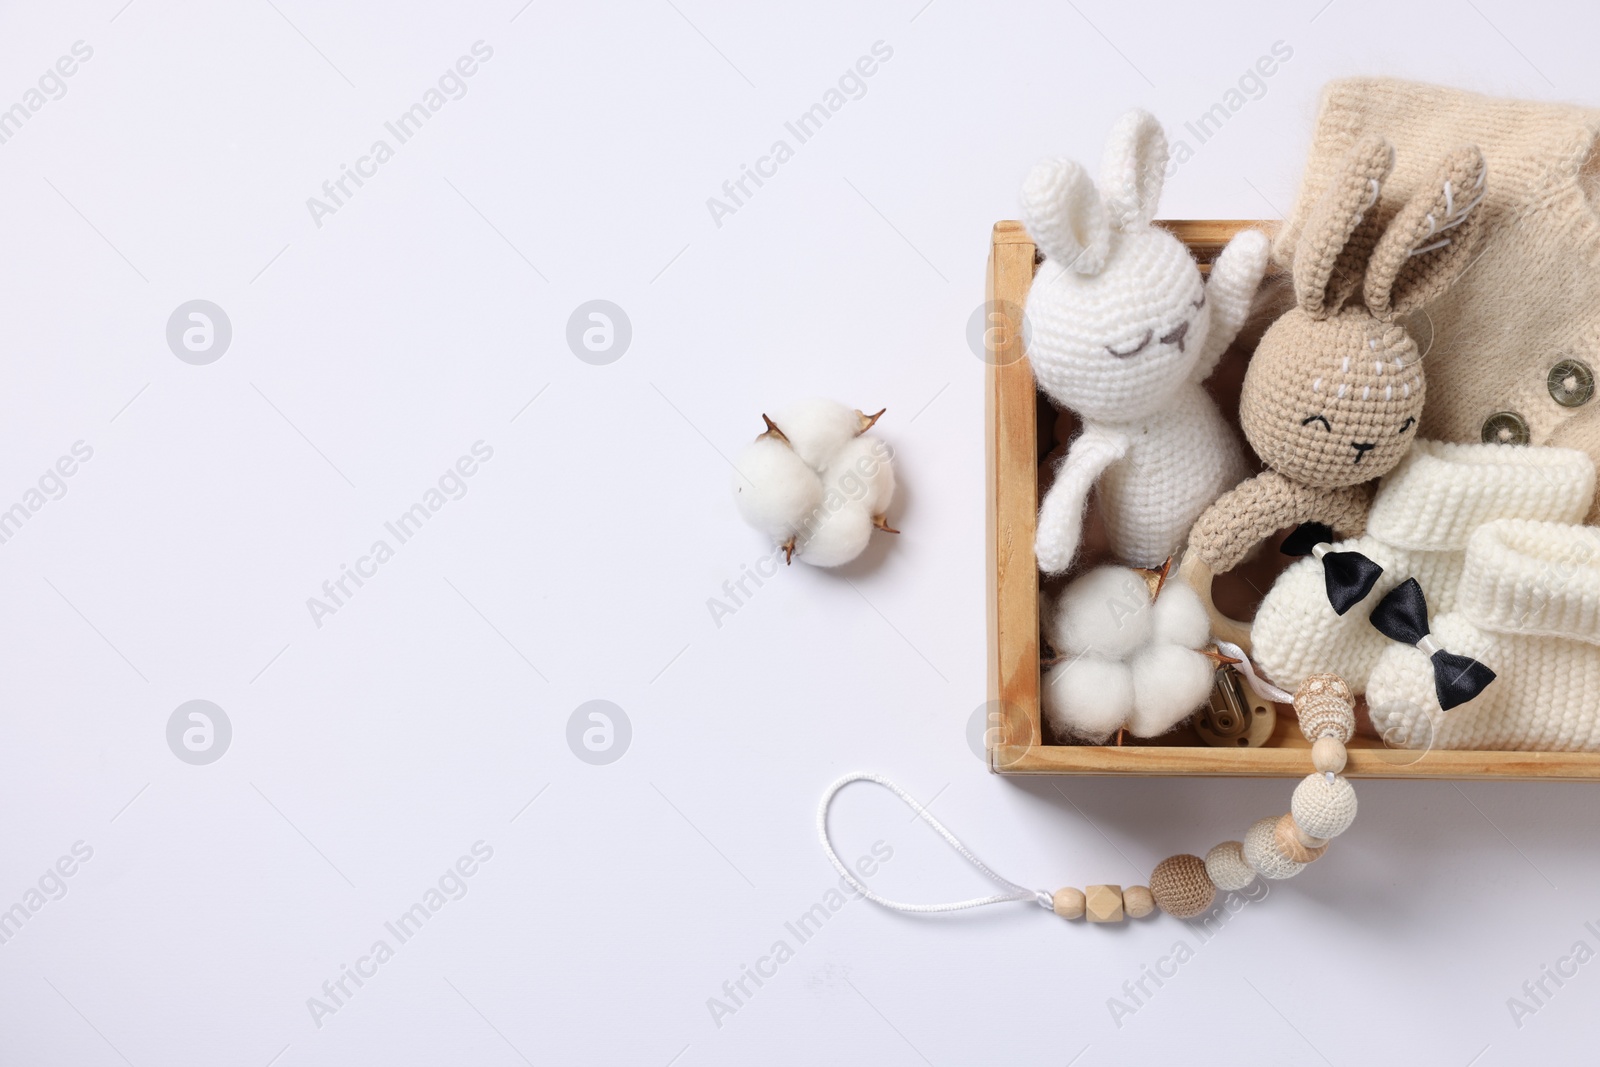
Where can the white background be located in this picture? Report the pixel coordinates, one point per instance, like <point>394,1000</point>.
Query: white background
<point>372,751</point>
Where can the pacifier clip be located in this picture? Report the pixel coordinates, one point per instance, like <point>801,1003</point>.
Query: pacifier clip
<point>1323,807</point>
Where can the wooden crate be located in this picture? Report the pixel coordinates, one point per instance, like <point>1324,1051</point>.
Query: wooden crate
<point>1016,740</point>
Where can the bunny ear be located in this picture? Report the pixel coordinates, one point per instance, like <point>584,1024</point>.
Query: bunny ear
<point>1065,216</point>
<point>1431,240</point>
<point>1341,229</point>
<point>1133,169</point>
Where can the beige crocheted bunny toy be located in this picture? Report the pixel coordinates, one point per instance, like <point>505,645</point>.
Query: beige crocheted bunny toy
<point>1335,388</point>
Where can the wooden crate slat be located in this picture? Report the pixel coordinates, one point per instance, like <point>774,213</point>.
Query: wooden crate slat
<point>1010,463</point>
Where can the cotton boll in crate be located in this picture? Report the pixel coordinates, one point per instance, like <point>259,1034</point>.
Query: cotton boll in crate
<point>1179,618</point>
<point>1106,612</point>
<point>1088,696</point>
<point>815,483</point>
<point>1127,661</point>
<point>1169,682</point>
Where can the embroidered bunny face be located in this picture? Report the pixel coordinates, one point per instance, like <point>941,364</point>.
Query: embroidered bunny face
<point>1335,389</point>
<point>1117,344</point>
<point>1343,418</point>
<point>1117,315</point>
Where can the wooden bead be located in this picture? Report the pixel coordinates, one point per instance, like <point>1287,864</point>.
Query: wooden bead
<point>1068,903</point>
<point>1327,754</point>
<point>1305,839</point>
<point>1103,903</point>
<point>1181,886</point>
<point>1290,841</point>
<point>1137,901</point>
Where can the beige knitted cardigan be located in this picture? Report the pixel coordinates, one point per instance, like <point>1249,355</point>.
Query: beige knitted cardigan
<point>1532,299</point>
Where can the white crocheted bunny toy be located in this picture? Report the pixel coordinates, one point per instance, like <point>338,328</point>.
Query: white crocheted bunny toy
<point>1122,331</point>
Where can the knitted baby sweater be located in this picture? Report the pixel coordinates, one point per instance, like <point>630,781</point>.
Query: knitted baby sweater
<point>1516,345</point>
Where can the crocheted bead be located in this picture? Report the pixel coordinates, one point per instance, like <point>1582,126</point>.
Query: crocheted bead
<point>1068,903</point>
<point>1324,805</point>
<point>1138,901</point>
<point>1261,851</point>
<point>1291,844</point>
<point>1103,903</point>
<point>1326,708</point>
<point>1327,754</point>
<point>1226,867</point>
<point>1181,886</point>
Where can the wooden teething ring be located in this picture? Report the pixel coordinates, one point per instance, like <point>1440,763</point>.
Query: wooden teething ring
<point>1198,577</point>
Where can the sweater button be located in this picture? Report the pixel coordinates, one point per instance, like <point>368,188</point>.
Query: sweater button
<point>1506,428</point>
<point>1571,383</point>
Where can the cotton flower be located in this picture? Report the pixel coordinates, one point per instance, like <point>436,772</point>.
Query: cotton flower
<point>861,467</point>
<point>837,538</point>
<point>817,429</point>
<point>816,483</point>
<point>1128,662</point>
<point>774,489</point>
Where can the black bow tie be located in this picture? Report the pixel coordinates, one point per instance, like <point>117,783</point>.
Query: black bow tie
<point>1349,576</point>
<point>1402,616</point>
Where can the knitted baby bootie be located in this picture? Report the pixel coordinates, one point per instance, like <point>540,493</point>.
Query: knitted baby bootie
<point>1402,615</point>
<point>1528,605</point>
<point>1347,576</point>
<point>1424,513</point>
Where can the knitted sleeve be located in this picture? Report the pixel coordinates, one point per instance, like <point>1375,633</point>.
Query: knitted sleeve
<point>1248,514</point>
